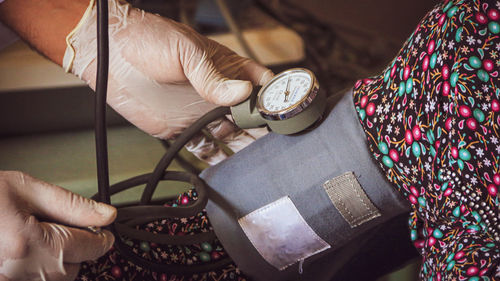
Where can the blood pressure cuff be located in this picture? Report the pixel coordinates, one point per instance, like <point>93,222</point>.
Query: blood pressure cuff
<point>293,207</point>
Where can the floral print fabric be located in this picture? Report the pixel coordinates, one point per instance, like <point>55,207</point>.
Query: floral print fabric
<point>432,122</point>
<point>113,266</point>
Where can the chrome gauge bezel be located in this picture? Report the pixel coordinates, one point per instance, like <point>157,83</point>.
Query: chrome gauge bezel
<point>295,108</point>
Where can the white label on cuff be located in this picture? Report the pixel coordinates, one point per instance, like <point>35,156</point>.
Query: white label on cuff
<point>280,234</point>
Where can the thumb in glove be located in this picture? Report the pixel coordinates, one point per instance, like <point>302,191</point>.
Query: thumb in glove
<point>42,235</point>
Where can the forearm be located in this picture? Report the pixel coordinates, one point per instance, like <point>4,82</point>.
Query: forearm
<point>44,24</point>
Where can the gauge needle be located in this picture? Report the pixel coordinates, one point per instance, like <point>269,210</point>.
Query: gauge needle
<point>287,91</point>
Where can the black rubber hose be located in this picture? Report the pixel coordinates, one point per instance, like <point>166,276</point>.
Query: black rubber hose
<point>142,179</point>
<point>181,160</point>
<point>158,212</point>
<point>143,213</point>
<point>100,101</point>
<point>102,153</point>
<point>179,143</point>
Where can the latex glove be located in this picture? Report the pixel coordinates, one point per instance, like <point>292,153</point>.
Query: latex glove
<point>227,132</point>
<point>36,241</point>
<point>163,75</point>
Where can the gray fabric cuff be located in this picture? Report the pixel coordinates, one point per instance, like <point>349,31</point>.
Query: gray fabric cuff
<point>300,167</point>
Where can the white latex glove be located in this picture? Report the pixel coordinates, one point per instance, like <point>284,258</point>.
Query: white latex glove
<point>163,75</point>
<point>227,132</point>
<point>33,246</point>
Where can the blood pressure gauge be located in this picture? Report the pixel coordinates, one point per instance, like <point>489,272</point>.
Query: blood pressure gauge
<point>289,103</point>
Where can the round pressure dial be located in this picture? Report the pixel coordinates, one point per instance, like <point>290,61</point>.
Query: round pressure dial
<point>288,104</point>
<point>287,94</point>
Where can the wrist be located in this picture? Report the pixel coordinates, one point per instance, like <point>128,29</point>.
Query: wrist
<point>81,41</point>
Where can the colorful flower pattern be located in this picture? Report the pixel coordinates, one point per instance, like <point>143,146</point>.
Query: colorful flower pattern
<point>432,121</point>
<point>113,266</point>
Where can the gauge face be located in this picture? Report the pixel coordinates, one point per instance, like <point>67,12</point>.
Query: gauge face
<point>286,91</point>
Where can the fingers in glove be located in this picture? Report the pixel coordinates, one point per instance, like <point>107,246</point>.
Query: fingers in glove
<point>215,87</point>
<point>230,134</point>
<point>77,245</point>
<point>214,77</point>
<point>58,204</point>
<point>256,73</point>
<point>205,149</point>
<point>235,67</point>
<point>256,133</point>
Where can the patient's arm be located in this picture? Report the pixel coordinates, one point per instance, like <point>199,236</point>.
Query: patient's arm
<point>44,24</point>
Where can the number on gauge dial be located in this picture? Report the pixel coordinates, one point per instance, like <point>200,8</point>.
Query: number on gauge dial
<point>286,91</point>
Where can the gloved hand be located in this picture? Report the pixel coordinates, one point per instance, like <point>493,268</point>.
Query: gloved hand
<point>163,75</point>
<point>37,241</point>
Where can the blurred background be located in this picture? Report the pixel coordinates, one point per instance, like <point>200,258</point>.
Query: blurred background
<point>46,115</point>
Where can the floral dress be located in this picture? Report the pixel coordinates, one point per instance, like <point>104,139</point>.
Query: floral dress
<point>432,122</point>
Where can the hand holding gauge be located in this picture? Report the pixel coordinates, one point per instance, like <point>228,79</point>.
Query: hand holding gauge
<point>299,109</point>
